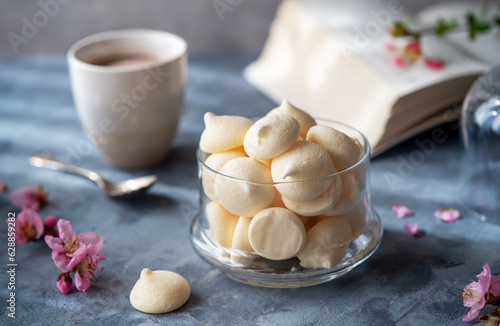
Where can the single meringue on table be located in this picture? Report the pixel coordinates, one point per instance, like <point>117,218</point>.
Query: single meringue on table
<point>159,292</point>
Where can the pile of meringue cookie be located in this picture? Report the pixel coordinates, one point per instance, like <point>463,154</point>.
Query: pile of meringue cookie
<point>272,190</point>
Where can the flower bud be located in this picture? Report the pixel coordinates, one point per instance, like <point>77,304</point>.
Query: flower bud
<point>64,283</point>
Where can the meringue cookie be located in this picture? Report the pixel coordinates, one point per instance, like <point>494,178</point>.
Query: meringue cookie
<point>241,250</point>
<point>221,224</point>
<point>278,201</point>
<point>303,161</point>
<point>266,162</point>
<point>276,233</point>
<point>240,197</point>
<point>270,136</point>
<point>318,205</point>
<point>348,198</point>
<point>326,243</point>
<point>356,218</point>
<point>223,132</point>
<point>310,221</point>
<point>343,150</point>
<point>304,119</point>
<point>159,292</point>
<point>215,162</point>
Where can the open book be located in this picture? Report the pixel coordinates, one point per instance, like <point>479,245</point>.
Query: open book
<point>328,58</point>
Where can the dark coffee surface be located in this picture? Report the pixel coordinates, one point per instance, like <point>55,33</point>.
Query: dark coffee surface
<point>125,59</point>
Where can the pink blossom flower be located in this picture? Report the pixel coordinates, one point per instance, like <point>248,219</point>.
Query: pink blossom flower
<point>79,254</point>
<point>401,211</point>
<point>474,294</point>
<point>29,226</point>
<point>434,64</point>
<point>29,197</point>
<point>64,283</point>
<point>447,214</point>
<point>3,187</point>
<point>411,229</point>
<point>399,60</point>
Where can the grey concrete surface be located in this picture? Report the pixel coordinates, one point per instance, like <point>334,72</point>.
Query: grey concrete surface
<point>407,281</point>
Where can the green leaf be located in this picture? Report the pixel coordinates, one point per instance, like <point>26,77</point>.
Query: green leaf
<point>399,29</point>
<point>443,26</point>
<point>497,20</point>
<point>472,22</point>
<point>483,27</point>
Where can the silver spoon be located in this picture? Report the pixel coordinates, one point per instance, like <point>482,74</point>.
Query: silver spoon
<point>128,188</point>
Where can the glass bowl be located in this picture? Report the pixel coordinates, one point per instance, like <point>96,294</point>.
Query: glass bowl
<point>213,229</point>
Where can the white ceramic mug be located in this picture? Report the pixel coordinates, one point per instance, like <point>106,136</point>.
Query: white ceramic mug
<point>128,87</point>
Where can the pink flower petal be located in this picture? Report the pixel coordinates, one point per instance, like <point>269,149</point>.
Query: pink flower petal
<point>434,64</point>
<point>90,238</point>
<point>447,214</point>
<point>66,262</point>
<point>54,243</point>
<point>495,285</point>
<point>399,61</point>
<point>389,46</point>
<point>484,279</point>
<point>471,315</point>
<point>64,283</point>
<point>411,229</point>
<point>50,221</point>
<point>28,197</point>
<point>65,230</point>
<point>82,281</point>
<point>401,211</point>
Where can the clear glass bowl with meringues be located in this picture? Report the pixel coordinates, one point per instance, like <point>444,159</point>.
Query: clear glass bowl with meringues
<point>285,199</point>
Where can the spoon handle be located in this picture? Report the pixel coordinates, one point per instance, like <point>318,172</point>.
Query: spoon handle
<point>44,160</point>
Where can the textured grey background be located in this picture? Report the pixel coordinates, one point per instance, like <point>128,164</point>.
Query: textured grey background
<point>407,282</point>
<point>242,27</point>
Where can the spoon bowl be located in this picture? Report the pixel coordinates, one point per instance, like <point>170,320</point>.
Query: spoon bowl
<point>125,189</point>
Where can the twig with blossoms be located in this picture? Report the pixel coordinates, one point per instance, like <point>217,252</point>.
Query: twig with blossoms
<point>411,51</point>
<point>80,255</point>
